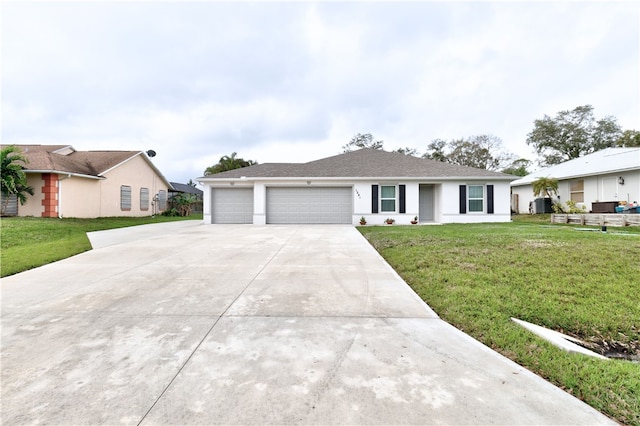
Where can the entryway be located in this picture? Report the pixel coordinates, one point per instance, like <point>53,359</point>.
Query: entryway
<point>426,203</point>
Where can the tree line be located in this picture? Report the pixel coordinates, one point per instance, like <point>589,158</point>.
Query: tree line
<point>569,134</point>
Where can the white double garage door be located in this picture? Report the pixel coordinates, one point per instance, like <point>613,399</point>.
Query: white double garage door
<point>284,205</point>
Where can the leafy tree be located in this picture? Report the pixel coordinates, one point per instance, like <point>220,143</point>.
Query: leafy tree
<point>191,183</point>
<point>360,141</point>
<point>184,201</point>
<point>12,176</point>
<point>518,167</point>
<point>407,151</point>
<point>572,134</point>
<point>481,151</point>
<point>546,186</point>
<point>629,138</point>
<point>229,162</point>
<point>436,150</point>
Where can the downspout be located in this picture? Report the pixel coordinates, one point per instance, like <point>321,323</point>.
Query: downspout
<point>60,194</point>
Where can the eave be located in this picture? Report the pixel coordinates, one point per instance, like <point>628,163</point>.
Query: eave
<point>62,172</point>
<point>210,180</point>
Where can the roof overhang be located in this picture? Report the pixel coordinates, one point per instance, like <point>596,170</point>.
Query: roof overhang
<point>210,180</point>
<point>61,172</point>
<point>534,177</point>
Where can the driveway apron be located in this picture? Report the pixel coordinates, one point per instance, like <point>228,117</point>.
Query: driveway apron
<point>241,324</point>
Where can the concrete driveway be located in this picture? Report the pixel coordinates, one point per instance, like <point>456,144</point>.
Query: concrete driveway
<point>185,323</point>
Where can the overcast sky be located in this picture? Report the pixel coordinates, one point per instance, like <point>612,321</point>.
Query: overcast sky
<point>294,81</point>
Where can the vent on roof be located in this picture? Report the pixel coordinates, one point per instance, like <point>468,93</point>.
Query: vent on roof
<point>151,153</point>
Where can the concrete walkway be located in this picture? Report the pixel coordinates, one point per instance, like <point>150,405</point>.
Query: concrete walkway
<point>239,324</point>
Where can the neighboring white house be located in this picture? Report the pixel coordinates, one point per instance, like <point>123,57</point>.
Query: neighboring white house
<point>611,175</point>
<point>371,183</point>
<point>87,184</point>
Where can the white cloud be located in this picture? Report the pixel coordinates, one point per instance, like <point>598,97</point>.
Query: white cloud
<point>295,81</point>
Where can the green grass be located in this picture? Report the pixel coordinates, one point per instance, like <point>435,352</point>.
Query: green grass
<point>28,242</point>
<point>586,284</point>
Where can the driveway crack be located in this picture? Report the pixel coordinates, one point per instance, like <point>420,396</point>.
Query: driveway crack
<point>214,325</point>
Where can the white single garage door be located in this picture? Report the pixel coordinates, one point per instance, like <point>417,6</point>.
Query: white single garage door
<point>309,205</point>
<point>232,205</point>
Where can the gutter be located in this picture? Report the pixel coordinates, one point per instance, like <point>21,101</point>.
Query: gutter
<point>205,179</point>
<point>68,174</point>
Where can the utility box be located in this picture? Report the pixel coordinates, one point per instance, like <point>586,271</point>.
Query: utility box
<point>542,205</point>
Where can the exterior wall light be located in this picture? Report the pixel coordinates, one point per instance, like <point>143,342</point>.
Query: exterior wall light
<point>621,180</point>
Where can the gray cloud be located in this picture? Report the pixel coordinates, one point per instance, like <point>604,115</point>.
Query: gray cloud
<point>294,81</point>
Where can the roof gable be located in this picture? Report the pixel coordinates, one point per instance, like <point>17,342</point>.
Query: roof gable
<point>609,160</point>
<point>363,163</point>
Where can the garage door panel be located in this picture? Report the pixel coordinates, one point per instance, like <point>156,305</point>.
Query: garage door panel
<point>309,205</point>
<point>232,205</point>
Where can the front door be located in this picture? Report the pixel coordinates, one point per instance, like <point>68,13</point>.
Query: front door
<point>426,203</point>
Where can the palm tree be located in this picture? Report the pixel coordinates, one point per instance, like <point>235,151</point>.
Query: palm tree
<point>12,176</point>
<point>228,162</point>
<point>546,186</point>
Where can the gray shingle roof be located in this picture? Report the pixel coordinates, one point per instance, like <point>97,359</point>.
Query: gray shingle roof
<point>363,163</point>
<point>65,159</point>
<point>90,163</point>
<point>183,187</point>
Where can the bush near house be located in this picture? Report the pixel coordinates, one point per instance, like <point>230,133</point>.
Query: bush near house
<point>585,284</point>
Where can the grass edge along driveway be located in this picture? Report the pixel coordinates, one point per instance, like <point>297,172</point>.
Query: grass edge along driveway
<point>475,277</point>
<point>582,283</point>
<point>29,242</point>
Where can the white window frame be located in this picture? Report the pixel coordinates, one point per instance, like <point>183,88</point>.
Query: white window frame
<point>482,199</point>
<point>395,199</point>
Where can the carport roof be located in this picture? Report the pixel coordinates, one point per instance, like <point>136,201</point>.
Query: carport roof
<point>364,163</point>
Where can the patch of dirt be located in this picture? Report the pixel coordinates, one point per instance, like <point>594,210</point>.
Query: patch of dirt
<point>615,349</point>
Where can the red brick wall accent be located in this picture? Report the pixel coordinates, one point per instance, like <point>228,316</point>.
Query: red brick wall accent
<point>50,192</point>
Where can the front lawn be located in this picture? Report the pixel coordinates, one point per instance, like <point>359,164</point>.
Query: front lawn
<point>28,242</point>
<point>579,282</point>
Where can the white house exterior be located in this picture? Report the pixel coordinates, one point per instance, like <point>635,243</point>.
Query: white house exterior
<point>343,188</point>
<point>610,175</point>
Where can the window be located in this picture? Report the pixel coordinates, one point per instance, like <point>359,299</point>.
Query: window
<point>144,198</point>
<point>576,191</point>
<point>162,200</point>
<point>125,198</point>
<point>476,198</point>
<point>387,198</point>
<point>472,199</point>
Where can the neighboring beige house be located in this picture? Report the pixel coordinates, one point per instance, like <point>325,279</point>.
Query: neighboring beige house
<point>87,184</point>
<point>597,181</point>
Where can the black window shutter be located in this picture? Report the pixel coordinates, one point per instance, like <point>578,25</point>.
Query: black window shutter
<point>374,198</point>
<point>490,199</point>
<point>403,196</point>
<point>463,199</point>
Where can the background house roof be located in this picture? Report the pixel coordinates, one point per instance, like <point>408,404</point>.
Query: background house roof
<point>65,159</point>
<point>609,160</point>
<point>362,163</point>
<point>183,187</point>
